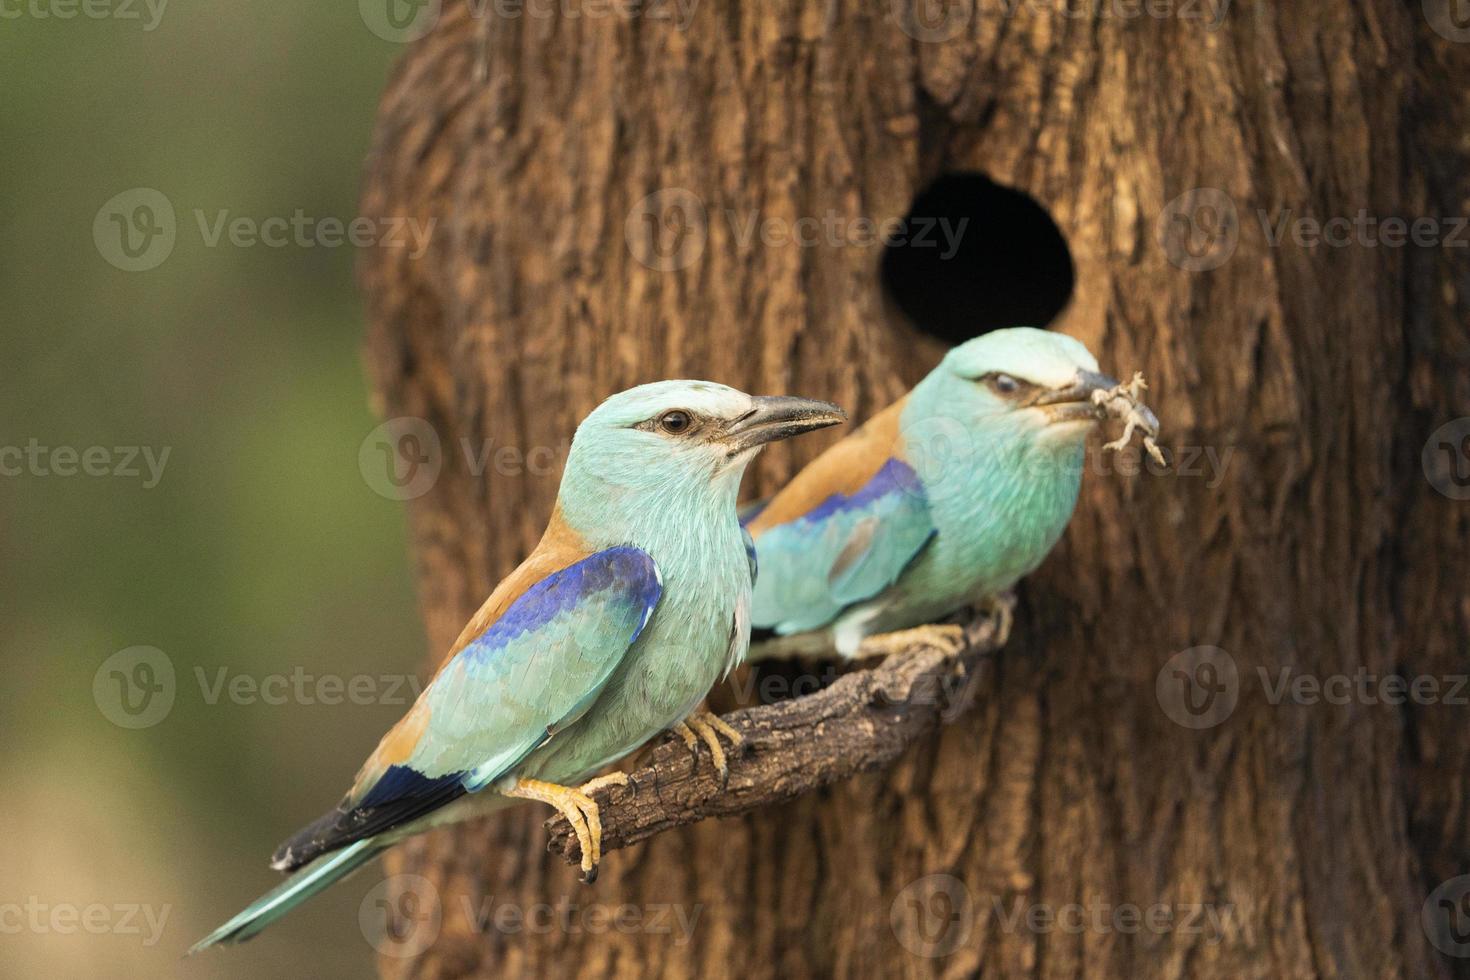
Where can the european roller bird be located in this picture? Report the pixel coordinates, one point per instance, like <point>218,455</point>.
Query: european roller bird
<point>942,500</point>
<point>633,605</point>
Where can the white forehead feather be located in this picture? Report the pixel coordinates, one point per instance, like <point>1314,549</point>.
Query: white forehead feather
<point>1041,357</point>
<point>645,401</point>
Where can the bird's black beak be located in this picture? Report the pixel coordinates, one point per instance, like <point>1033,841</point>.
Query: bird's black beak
<point>780,417</point>
<point>1073,402</point>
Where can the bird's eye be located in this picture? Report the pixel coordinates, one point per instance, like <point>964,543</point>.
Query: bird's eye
<point>1003,384</point>
<point>676,422</point>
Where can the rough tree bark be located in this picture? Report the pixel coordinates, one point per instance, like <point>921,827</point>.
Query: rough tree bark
<point>1315,831</point>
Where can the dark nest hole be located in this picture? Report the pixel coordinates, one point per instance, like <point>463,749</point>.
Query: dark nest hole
<point>975,256</point>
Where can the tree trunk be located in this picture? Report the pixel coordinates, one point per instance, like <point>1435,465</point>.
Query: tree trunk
<point>1284,837</point>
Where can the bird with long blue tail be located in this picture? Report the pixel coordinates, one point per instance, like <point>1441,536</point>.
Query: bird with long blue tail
<point>633,605</point>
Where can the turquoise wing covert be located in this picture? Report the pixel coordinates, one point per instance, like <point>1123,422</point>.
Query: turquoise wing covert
<point>843,551</point>
<point>537,668</point>
<point>531,673</point>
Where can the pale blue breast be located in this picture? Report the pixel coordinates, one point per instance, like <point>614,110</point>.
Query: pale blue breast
<point>678,657</point>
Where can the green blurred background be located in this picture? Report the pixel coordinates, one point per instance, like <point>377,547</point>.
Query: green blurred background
<point>261,550</point>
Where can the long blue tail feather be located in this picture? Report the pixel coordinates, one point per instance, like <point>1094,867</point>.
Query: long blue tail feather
<point>324,871</point>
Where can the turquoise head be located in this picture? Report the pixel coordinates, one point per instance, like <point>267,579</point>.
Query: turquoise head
<point>1011,404</point>
<point>674,451</point>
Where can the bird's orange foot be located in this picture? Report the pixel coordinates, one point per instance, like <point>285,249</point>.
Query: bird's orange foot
<point>942,635</point>
<point>611,779</point>
<point>704,726</point>
<point>579,809</point>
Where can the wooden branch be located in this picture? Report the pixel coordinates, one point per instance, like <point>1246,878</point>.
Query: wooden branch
<point>862,721</point>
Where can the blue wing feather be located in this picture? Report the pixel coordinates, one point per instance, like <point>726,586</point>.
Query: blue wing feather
<point>537,668</point>
<point>531,673</point>
<point>846,549</point>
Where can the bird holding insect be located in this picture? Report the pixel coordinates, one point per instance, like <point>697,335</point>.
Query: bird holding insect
<point>942,500</point>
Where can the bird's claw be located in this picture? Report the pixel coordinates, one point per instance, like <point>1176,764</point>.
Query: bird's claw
<point>707,727</point>
<point>579,809</point>
<point>1003,609</point>
<point>942,635</point>
<point>601,782</point>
